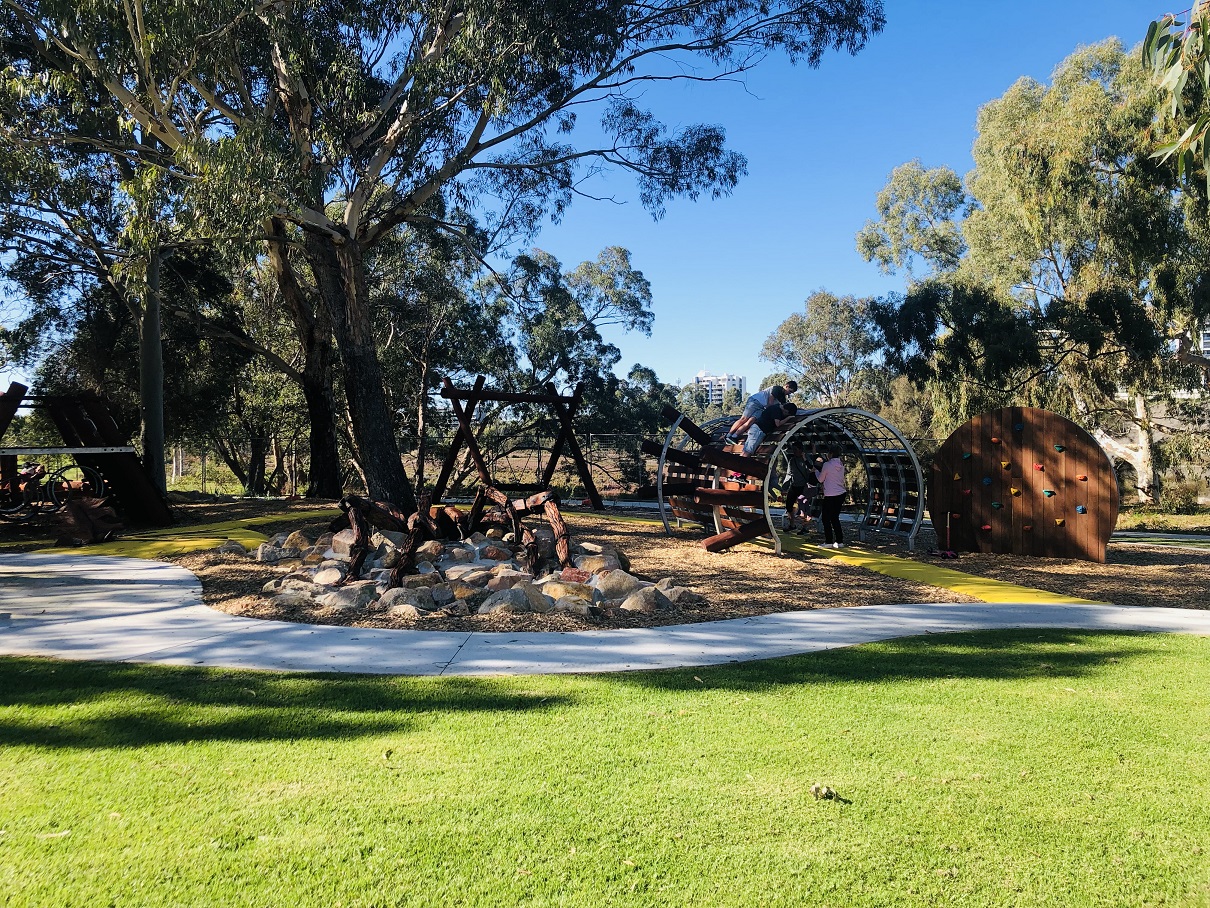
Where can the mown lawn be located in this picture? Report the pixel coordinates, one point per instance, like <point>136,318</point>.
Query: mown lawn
<point>1022,768</point>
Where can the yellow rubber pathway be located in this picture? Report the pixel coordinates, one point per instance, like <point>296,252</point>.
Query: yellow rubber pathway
<point>154,544</point>
<point>945,578</point>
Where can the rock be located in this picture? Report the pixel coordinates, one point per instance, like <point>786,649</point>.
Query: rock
<point>574,575</point>
<point>272,554</point>
<point>431,550</point>
<point>297,540</point>
<point>459,609</point>
<point>351,598</point>
<point>419,599</point>
<point>272,586</point>
<point>299,583</point>
<point>459,554</point>
<point>682,596</point>
<point>495,533</point>
<point>425,567</point>
<point>394,537</point>
<point>561,589</point>
<point>538,601</point>
<point>589,548</point>
<point>313,558</point>
<point>405,610</point>
<point>279,539</point>
<point>646,601</point>
<point>494,553</point>
<point>324,541</point>
<point>617,584</point>
<point>464,590</point>
<point>416,581</point>
<point>442,593</point>
<point>507,579</point>
<point>596,563</point>
<point>231,547</point>
<point>458,571</point>
<point>292,599</point>
<point>510,600</point>
<point>570,604</point>
<point>387,556</point>
<point>623,560</point>
<point>342,542</point>
<point>330,576</point>
<point>476,538</point>
<point>545,538</point>
<point>478,578</point>
<point>292,564</point>
<point>333,555</point>
<point>664,583</point>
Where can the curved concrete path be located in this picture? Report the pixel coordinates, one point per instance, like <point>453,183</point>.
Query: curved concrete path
<point>124,609</point>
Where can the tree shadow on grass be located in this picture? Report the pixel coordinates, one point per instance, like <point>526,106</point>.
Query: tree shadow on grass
<point>1011,655</point>
<point>103,705</point>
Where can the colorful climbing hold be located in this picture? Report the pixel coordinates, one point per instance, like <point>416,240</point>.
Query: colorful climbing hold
<point>966,455</point>
<point>995,440</point>
<point>1006,464</point>
<point>1027,527</point>
<point>966,491</point>
<point>986,527</point>
<point>1060,448</point>
<point>1082,478</point>
<point>987,480</point>
<point>1059,521</point>
<point>955,515</point>
<point>1039,467</point>
<point>997,505</point>
<point>1019,427</point>
<point>957,476</point>
<point>1015,491</point>
<point>1049,493</point>
<point>1081,509</point>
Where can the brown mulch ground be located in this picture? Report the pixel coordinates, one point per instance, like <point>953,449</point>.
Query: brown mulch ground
<point>743,582</point>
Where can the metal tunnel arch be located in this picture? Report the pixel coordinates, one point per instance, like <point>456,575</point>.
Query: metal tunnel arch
<point>895,503</point>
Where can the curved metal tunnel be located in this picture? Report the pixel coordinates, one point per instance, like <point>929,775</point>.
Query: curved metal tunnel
<point>895,503</point>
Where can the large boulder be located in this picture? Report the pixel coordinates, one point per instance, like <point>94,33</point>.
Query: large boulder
<point>538,601</point>
<point>272,554</point>
<point>331,573</point>
<point>231,547</point>
<point>506,579</point>
<point>419,599</point>
<point>511,600</point>
<point>560,589</point>
<point>430,550</point>
<point>594,564</point>
<point>573,605</point>
<point>617,584</point>
<point>298,540</point>
<point>353,597</point>
<point>342,542</point>
<point>292,599</point>
<point>646,601</point>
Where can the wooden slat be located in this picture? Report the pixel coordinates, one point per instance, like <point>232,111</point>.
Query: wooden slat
<point>738,463</point>
<point>687,425</point>
<point>739,499</point>
<point>674,455</point>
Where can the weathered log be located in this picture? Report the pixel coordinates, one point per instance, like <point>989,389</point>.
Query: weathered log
<point>687,425</point>
<point>726,540</point>
<point>562,542</point>
<point>673,455</point>
<point>361,542</point>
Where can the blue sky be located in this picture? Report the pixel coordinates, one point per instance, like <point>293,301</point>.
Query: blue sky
<point>820,145</point>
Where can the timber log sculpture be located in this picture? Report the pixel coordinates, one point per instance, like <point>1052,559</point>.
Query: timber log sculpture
<point>695,462</point>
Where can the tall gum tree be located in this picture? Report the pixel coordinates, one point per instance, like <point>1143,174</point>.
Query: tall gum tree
<point>279,107</point>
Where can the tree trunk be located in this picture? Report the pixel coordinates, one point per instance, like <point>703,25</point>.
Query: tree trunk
<point>340,277</point>
<point>151,377</point>
<point>314,332</point>
<point>422,397</point>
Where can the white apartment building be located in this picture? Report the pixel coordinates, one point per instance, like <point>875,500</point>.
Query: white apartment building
<point>718,385</point>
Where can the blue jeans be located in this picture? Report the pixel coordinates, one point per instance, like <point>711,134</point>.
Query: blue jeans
<point>755,436</point>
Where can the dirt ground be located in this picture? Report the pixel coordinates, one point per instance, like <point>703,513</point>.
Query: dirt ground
<point>747,581</point>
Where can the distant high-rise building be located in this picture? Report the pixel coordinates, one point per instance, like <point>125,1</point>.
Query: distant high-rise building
<point>718,385</point>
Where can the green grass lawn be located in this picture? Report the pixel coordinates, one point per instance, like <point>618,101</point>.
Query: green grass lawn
<point>1135,517</point>
<point>1021,768</point>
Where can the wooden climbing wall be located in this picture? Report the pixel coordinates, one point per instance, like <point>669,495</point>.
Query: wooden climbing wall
<point>1023,481</point>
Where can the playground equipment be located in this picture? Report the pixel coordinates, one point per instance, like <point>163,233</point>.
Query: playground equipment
<point>694,481</point>
<point>104,462</point>
<point>1023,481</point>
<point>463,403</point>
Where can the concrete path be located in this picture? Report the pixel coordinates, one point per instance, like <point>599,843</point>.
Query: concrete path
<point>124,609</point>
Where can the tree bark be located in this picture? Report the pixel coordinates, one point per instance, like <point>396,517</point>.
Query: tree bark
<point>151,377</point>
<point>340,278</point>
<point>314,333</point>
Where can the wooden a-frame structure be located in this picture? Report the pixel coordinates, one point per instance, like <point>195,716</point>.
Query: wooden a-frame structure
<point>464,402</point>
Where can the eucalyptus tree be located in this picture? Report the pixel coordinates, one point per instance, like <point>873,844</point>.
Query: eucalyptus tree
<point>277,108</point>
<point>1080,277</point>
<point>830,349</point>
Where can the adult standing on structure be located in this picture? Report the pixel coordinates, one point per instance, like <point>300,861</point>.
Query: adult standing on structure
<point>832,487</point>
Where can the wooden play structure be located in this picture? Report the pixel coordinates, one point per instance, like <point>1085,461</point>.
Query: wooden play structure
<point>1023,481</point>
<point>693,482</point>
<point>105,462</point>
<point>464,402</point>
